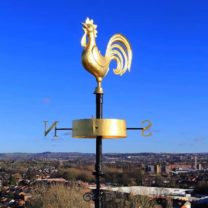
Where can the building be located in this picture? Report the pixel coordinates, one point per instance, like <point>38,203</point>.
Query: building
<point>158,169</point>
<point>199,166</point>
<point>151,168</point>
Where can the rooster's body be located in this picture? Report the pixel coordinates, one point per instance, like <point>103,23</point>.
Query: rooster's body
<point>118,49</point>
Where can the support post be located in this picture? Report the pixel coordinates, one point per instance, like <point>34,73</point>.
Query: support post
<point>98,166</point>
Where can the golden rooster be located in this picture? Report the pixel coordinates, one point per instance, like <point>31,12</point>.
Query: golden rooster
<point>118,49</point>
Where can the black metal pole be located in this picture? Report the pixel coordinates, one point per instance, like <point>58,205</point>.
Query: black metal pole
<point>98,166</point>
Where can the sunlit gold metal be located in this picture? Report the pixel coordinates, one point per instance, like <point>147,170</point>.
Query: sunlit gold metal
<point>118,49</point>
<point>91,128</point>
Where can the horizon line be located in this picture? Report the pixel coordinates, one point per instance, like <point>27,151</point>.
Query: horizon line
<point>106,152</point>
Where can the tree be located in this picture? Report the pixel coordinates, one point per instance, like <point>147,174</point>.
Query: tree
<point>129,201</point>
<point>202,189</point>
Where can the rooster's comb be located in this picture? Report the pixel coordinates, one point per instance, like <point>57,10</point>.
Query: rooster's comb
<point>90,22</point>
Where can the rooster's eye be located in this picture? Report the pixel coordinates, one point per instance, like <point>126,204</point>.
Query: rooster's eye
<point>90,27</point>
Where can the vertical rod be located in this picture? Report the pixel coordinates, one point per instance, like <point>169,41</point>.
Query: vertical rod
<point>98,165</point>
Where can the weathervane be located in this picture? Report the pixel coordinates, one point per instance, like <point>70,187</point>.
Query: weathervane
<point>118,49</point>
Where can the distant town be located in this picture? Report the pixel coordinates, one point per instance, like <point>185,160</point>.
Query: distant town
<point>181,177</point>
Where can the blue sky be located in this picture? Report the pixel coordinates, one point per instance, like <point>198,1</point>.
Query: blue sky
<point>42,77</point>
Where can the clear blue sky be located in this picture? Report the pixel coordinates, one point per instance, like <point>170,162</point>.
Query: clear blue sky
<point>42,77</point>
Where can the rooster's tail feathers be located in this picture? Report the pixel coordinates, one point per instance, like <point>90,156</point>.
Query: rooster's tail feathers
<point>119,49</point>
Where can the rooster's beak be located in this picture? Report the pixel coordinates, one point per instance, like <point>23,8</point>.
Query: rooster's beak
<point>84,26</point>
